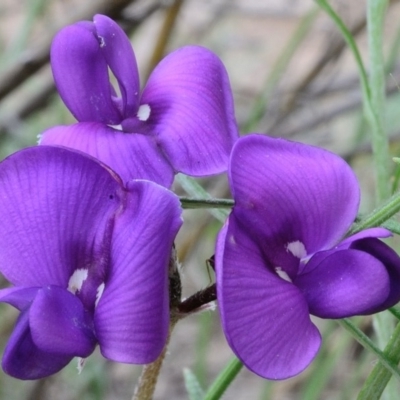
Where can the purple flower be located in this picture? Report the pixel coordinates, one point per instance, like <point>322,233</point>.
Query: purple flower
<point>281,255</point>
<point>88,259</point>
<point>183,121</point>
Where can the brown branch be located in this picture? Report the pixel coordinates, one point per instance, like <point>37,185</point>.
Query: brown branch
<point>334,51</point>
<point>350,102</point>
<point>171,15</point>
<point>32,60</point>
<point>198,300</point>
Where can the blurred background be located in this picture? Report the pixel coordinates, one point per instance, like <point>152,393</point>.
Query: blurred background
<point>292,76</point>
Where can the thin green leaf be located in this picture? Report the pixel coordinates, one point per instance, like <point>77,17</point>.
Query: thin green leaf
<point>348,37</point>
<point>372,89</point>
<point>390,365</point>
<point>382,372</point>
<point>392,225</point>
<point>395,311</point>
<point>192,385</point>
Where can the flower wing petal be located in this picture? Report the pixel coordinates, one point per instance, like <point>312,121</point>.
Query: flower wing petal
<point>18,297</point>
<point>260,311</point>
<point>132,315</point>
<point>192,110</point>
<point>389,258</point>
<point>366,233</point>
<point>22,359</point>
<point>297,199</point>
<point>81,75</point>
<point>59,323</point>
<point>118,53</point>
<point>56,206</point>
<point>132,156</point>
<point>343,283</point>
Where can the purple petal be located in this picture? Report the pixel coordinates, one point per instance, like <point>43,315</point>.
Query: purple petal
<point>388,257</point>
<point>343,283</point>
<point>118,53</point>
<point>290,196</point>
<point>59,324</point>
<point>191,110</point>
<point>23,360</point>
<point>265,318</point>
<point>56,206</point>
<point>132,316</point>
<point>366,233</point>
<point>81,75</point>
<point>19,297</point>
<point>132,156</point>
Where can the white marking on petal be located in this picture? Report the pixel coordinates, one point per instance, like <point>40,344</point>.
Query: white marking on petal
<point>102,41</point>
<point>232,239</point>
<point>282,274</point>
<point>297,249</point>
<point>143,113</point>
<point>116,127</point>
<point>76,281</point>
<point>99,293</point>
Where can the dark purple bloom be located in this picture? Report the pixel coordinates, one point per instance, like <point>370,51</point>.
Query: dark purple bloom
<point>183,121</point>
<point>281,255</point>
<point>88,259</point>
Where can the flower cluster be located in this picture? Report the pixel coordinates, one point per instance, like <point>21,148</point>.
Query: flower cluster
<point>88,223</point>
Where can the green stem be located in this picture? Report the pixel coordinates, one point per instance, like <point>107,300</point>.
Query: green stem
<point>373,88</point>
<point>189,203</point>
<point>192,188</point>
<point>379,215</point>
<point>375,103</point>
<point>381,374</point>
<point>385,359</point>
<point>374,107</point>
<point>224,379</point>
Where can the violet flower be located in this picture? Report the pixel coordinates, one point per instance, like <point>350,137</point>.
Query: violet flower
<point>183,121</point>
<point>281,255</point>
<point>88,259</point>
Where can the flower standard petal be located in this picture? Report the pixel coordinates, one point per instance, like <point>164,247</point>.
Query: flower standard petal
<point>81,75</point>
<point>22,359</point>
<point>260,311</point>
<point>56,208</point>
<point>290,196</point>
<point>118,53</point>
<point>59,323</point>
<point>343,283</point>
<point>130,155</point>
<point>132,318</point>
<point>191,110</point>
